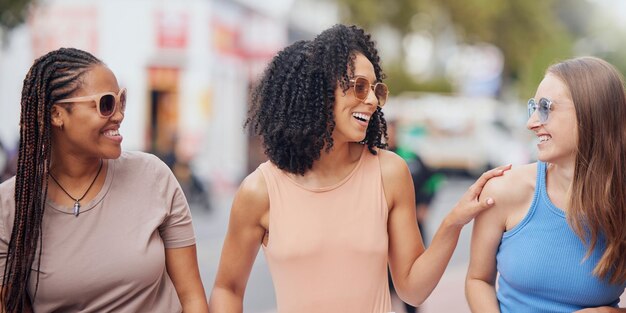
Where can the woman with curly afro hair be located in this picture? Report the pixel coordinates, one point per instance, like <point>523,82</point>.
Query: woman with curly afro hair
<point>331,208</point>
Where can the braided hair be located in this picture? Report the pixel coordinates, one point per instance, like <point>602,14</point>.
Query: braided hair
<point>292,106</point>
<point>52,77</point>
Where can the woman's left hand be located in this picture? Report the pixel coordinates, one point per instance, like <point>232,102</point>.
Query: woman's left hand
<point>469,206</point>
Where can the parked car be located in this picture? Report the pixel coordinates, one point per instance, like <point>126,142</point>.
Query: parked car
<point>462,134</point>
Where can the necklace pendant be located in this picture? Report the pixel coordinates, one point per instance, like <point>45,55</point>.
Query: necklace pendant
<point>76,208</point>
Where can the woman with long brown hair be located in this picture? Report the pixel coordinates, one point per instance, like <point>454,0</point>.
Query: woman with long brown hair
<point>558,237</point>
<point>84,226</point>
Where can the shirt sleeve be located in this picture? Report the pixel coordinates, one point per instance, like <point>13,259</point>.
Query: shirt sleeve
<point>177,229</point>
<point>4,248</point>
<point>7,206</point>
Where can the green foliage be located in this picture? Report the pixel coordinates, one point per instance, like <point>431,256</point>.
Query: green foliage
<point>13,13</point>
<point>370,13</point>
<point>530,34</point>
<point>400,81</point>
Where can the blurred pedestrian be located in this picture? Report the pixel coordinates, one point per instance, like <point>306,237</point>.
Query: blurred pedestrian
<point>84,226</point>
<point>557,237</point>
<point>330,208</point>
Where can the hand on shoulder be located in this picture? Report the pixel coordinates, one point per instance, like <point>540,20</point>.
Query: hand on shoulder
<point>512,185</point>
<point>470,205</point>
<point>513,191</point>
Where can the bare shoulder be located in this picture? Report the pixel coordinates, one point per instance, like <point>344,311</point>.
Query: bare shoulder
<point>397,182</point>
<point>254,185</point>
<point>252,197</point>
<point>514,189</point>
<point>392,164</point>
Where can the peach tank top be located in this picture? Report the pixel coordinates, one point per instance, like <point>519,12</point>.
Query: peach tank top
<point>327,248</point>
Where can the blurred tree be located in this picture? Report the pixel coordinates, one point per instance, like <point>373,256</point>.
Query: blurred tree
<point>531,34</point>
<point>398,15</point>
<point>372,13</point>
<point>601,34</point>
<point>399,80</point>
<point>12,14</point>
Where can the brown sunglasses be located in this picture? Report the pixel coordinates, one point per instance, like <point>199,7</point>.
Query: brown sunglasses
<point>362,87</point>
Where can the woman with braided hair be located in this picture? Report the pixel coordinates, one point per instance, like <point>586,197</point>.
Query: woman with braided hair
<point>110,231</point>
<point>331,208</point>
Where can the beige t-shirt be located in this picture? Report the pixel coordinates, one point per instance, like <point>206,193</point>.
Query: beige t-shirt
<point>111,258</point>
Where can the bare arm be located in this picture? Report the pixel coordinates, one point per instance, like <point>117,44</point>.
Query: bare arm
<point>480,289</point>
<point>514,192</point>
<point>182,267</point>
<point>243,239</point>
<point>416,271</point>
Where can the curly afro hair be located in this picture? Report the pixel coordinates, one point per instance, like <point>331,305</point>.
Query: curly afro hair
<point>292,105</point>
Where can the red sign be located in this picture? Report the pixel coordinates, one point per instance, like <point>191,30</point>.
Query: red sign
<point>59,26</point>
<point>172,29</point>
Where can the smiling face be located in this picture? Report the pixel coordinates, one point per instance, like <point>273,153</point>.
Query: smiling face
<point>84,132</point>
<point>558,136</point>
<point>352,115</point>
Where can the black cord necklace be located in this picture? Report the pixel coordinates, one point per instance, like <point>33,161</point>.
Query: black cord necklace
<point>77,201</point>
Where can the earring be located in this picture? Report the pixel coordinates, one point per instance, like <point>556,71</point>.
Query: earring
<point>61,127</point>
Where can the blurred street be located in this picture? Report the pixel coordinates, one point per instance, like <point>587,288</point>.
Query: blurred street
<point>459,73</point>
<point>211,228</point>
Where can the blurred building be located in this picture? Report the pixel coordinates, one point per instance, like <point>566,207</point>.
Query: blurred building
<point>188,66</point>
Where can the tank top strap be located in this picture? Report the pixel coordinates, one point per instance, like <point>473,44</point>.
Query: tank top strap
<point>543,191</point>
<point>371,164</point>
<point>536,204</point>
<point>368,173</point>
<point>370,177</point>
<point>270,174</point>
<point>540,185</point>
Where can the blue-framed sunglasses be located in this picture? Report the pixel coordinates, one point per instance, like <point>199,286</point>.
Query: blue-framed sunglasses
<point>544,105</point>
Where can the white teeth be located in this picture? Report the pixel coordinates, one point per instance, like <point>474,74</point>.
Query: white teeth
<point>544,138</point>
<point>361,116</point>
<point>112,132</point>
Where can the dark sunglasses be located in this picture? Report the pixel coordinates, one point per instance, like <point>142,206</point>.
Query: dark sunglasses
<point>106,103</point>
<point>543,106</point>
<point>362,87</point>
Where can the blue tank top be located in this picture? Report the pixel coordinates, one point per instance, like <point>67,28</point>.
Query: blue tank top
<point>542,266</point>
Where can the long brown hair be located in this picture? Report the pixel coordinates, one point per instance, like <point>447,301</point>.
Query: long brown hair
<point>598,199</point>
<point>52,77</point>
